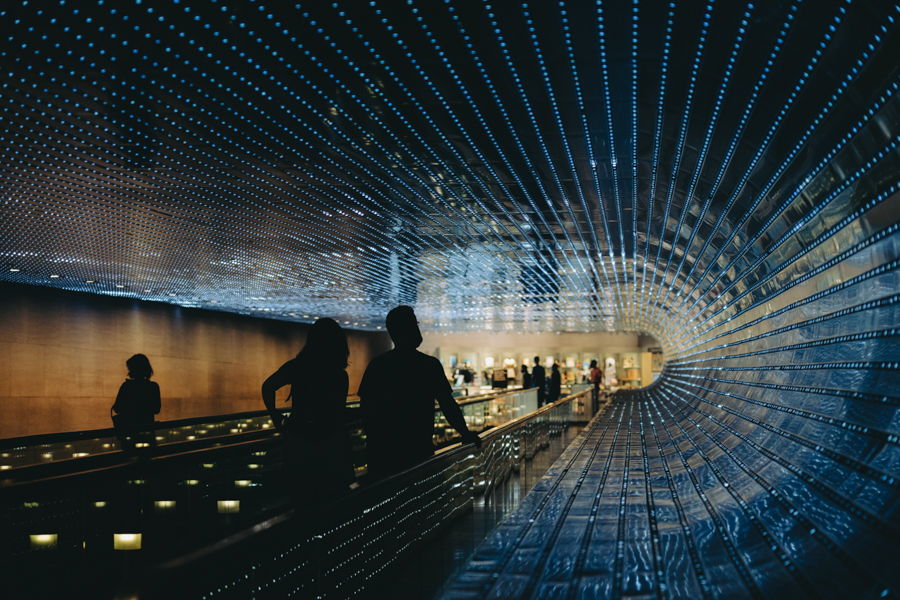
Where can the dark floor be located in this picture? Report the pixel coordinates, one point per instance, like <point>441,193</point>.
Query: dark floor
<point>428,574</point>
<point>658,500</point>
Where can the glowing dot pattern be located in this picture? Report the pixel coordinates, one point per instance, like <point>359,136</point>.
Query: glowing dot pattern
<point>720,175</point>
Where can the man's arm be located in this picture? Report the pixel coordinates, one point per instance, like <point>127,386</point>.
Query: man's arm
<point>454,416</point>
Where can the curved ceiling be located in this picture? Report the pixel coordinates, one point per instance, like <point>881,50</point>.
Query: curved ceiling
<point>564,166</point>
<point>721,175</point>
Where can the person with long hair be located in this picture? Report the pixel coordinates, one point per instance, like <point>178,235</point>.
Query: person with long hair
<point>317,455</point>
<point>136,403</point>
<point>526,377</point>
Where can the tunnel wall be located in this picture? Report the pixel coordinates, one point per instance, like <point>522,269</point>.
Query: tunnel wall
<point>62,357</point>
<point>785,366</point>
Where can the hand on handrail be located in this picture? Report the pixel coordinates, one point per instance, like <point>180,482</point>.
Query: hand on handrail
<point>471,438</point>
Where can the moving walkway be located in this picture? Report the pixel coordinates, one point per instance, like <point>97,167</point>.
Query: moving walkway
<point>73,513</point>
<point>667,495</point>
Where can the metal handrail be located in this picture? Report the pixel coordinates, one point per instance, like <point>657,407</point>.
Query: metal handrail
<point>110,459</point>
<point>267,527</point>
<point>518,422</point>
<point>99,471</point>
<point>107,458</point>
<point>488,396</point>
<point>74,436</point>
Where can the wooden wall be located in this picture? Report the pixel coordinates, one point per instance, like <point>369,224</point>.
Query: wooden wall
<point>62,357</point>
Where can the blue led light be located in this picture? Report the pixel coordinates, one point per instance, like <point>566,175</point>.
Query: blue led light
<point>339,159</point>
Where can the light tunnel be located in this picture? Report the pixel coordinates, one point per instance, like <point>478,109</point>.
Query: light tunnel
<point>722,176</point>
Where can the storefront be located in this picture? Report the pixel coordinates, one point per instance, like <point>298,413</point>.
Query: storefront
<point>481,361</point>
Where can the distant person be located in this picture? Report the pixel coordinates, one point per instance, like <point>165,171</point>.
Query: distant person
<point>397,397</point>
<point>318,461</point>
<point>526,378</point>
<point>136,404</point>
<point>596,378</point>
<point>539,380</point>
<point>596,375</point>
<point>463,376</point>
<point>555,384</point>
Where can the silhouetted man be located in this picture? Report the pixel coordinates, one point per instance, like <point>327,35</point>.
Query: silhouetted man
<point>397,397</point>
<point>539,380</point>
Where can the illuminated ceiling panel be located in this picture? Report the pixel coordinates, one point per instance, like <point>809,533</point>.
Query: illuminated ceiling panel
<point>566,166</point>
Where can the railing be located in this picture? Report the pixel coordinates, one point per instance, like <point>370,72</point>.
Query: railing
<point>74,499</point>
<point>104,447</point>
<point>173,503</point>
<point>337,551</point>
<point>21,452</point>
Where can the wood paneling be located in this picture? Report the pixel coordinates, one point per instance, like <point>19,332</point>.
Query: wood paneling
<point>62,357</point>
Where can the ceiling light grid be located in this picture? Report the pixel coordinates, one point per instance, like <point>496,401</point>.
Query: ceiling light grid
<point>485,163</point>
<point>749,209</point>
<point>526,223</point>
<point>643,304</point>
<point>562,196</point>
<point>460,128</point>
<point>523,97</point>
<point>802,189</point>
<point>778,44</point>
<point>679,156</point>
<point>713,119</point>
<point>523,224</point>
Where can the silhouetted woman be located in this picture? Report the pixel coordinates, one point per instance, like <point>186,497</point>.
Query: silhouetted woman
<point>317,457</point>
<point>555,384</point>
<point>526,378</point>
<point>137,402</point>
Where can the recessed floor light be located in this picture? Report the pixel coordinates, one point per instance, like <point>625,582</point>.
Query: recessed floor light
<point>146,291</point>
<point>89,281</point>
<point>213,301</point>
<point>120,286</point>
<point>14,270</point>
<point>54,277</point>
<point>171,294</point>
